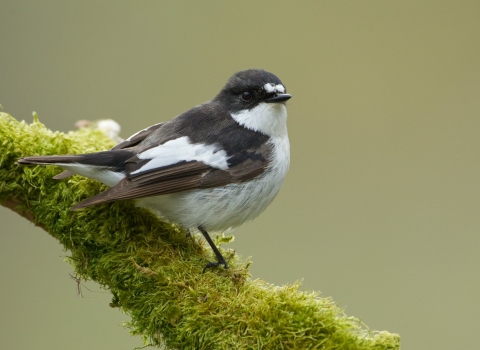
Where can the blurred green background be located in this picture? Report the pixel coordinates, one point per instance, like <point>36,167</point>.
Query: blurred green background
<point>380,209</point>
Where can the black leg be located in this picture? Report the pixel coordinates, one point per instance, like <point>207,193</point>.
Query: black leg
<point>220,258</point>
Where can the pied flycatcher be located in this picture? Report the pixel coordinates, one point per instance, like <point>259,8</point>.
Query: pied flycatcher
<point>211,168</point>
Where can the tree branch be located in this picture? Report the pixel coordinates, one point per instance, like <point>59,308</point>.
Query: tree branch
<point>155,272</point>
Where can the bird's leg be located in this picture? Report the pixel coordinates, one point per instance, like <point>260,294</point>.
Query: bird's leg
<point>220,258</point>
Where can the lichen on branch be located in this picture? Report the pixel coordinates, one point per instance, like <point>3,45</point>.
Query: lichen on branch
<point>154,270</point>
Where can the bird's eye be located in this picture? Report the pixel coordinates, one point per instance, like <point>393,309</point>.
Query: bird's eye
<point>246,96</point>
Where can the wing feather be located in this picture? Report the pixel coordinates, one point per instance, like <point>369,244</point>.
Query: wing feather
<point>181,177</point>
<point>184,175</point>
<point>135,139</point>
<point>126,189</point>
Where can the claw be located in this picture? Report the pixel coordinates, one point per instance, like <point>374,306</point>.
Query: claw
<point>215,264</point>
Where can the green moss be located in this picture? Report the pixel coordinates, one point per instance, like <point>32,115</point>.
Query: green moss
<point>154,271</point>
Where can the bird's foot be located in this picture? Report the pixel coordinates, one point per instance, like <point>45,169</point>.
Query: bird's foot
<point>220,258</point>
<point>215,264</point>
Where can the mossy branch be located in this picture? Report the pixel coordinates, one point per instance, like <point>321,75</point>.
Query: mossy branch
<point>155,272</point>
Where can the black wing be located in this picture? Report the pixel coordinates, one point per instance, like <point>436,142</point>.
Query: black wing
<point>182,176</point>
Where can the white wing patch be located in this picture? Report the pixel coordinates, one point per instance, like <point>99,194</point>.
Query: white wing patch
<point>181,149</point>
<point>270,88</point>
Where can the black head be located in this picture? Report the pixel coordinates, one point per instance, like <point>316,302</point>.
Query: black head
<point>247,88</point>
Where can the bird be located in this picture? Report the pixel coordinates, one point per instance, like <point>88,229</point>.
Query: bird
<point>211,168</point>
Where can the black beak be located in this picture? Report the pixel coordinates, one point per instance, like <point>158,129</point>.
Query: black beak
<point>278,98</point>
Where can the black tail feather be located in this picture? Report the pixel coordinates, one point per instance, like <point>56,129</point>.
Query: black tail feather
<point>48,160</point>
<point>114,160</point>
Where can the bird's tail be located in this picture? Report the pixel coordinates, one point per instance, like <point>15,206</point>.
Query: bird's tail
<point>114,160</point>
<point>50,160</point>
<point>94,165</point>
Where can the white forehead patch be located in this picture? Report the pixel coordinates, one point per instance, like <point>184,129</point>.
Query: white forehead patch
<point>271,88</point>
